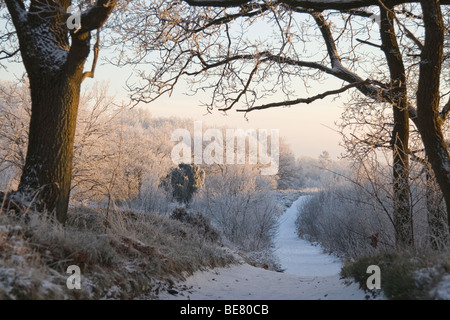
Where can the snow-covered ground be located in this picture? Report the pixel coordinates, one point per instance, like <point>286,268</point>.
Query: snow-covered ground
<point>299,256</point>
<point>309,274</point>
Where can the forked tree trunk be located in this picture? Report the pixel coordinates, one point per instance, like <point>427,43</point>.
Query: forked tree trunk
<point>55,70</point>
<point>55,93</point>
<point>400,132</point>
<point>429,121</point>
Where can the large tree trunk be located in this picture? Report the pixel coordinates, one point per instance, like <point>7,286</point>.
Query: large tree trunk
<point>46,175</point>
<point>436,217</point>
<point>429,121</point>
<point>400,132</point>
<point>437,155</point>
<point>55,71</point>
<point>403,222</point>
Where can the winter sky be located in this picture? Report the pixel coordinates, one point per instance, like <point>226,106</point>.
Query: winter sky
<point>309,129</point>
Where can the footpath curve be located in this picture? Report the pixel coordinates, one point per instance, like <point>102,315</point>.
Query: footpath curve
<point>309,274</point>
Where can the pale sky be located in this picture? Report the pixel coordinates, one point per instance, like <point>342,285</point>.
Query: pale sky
<point>309,129</point>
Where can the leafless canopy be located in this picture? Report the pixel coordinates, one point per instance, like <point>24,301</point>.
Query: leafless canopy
<point>253,55</point>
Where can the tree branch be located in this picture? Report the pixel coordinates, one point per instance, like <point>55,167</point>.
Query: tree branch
<point>257,56</point>
<point>8,54</point>
<point>91,73</point>
<point>231,17</point>
<point>307,4</point>
<point>369,43</point>
<point>329,40</point>
<point>409,34</point>
<point>244,90</point>
<point>306,100</point>
<point>445,112</point>
<point>95,17</point>
<point>17,11</point>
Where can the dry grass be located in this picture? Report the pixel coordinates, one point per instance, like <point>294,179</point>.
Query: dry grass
<point>406,275</point>
<point>121,256</point>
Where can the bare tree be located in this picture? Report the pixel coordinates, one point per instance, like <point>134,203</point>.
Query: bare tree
<point>288,173</point>
<point>207,42</point>
<point>210,44</point>
<point>54,56</point>
<point>15,115</point>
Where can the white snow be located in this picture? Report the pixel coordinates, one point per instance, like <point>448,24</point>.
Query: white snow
<point>299,256</point>
<point>51,56</point>
<point>442,291</point>
<point>244,282</point>
<point>309,274</point>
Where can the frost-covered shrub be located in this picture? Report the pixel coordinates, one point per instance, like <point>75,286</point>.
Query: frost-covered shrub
<point>406,275</point>
<point>345,221</point>
<point>185,180</point>
<point>357,217</point>
<point>151,197</point>
<point>199,222</point>
<point>242,205</point>
<point>15,109</point>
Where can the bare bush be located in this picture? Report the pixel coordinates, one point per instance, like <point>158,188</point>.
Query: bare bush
<point>241,204</point>
<point>356,217</point>
<point>345,222</point>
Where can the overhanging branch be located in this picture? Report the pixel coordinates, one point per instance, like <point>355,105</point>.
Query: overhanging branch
<point>247,13</point>
<point>306,100</point>
<point>307,4</point>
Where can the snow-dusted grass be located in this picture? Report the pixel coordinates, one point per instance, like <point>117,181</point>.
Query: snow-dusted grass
<point>406,275</point>
<point>354,226</point>
<point>344,221</point>
<point>130,255</point>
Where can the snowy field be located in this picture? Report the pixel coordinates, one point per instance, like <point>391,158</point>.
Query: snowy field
<point>309,274</point>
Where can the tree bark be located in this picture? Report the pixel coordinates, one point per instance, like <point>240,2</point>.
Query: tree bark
<point>55,71</point>
<point>436,217</point>
<point>403,223</point>
<point>46,175</point>
<point>429,121</point>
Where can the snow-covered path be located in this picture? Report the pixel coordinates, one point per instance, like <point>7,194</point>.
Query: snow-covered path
<point>298,256</point>
<point>309,274</point>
